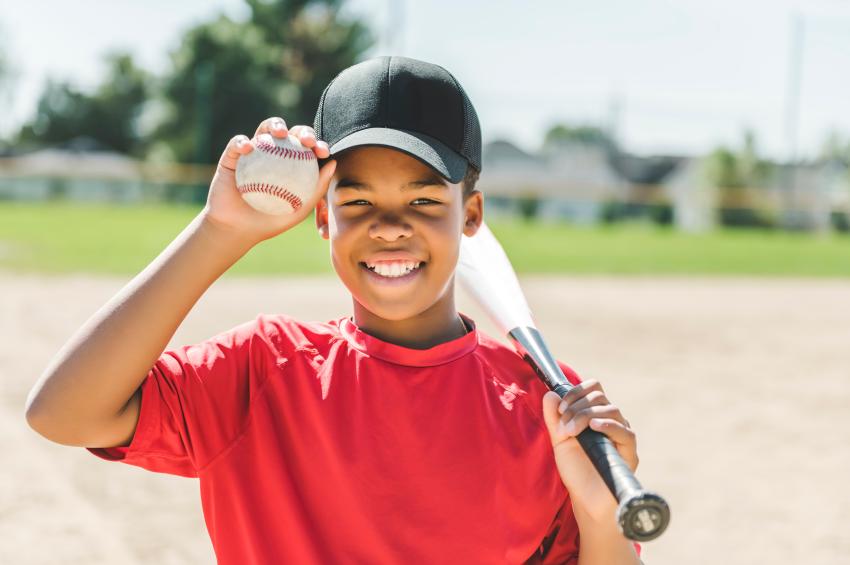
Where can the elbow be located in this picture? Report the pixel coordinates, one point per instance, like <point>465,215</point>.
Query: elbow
<point>49,430</point>
<point>34,409</point>
<point>36,419</point>
<point>43,421</point>
<point>31,411</point>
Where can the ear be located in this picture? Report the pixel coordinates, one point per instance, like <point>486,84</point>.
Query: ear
<point>322,217</point>
<point>473,213</point>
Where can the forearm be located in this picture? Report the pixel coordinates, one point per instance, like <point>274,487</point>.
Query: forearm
<point>98,370</point>
<point>601,542</point>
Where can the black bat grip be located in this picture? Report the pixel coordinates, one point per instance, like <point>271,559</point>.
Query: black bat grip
<point>641,514</point>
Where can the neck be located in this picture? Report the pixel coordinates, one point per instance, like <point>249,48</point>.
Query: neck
<point>438,324</point>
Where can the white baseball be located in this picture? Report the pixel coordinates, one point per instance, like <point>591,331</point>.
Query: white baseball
<point>277,178</point>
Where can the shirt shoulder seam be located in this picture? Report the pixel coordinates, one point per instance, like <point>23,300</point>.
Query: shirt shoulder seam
<point>249,418</point>
<point>260,392</point>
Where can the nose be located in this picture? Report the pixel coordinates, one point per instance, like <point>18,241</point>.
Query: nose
<point>389,228</point>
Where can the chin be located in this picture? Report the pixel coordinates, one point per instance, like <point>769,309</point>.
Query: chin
<point>393,313</point>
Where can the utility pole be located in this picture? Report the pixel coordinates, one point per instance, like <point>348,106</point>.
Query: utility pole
<point>792,118</point>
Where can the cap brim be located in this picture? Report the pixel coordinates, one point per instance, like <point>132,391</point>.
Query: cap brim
<point>427,149</point>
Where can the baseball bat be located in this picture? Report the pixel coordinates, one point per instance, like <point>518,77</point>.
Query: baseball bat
<point>486,273</point>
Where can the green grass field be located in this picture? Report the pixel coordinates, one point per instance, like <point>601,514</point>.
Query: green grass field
<point>66,238</point>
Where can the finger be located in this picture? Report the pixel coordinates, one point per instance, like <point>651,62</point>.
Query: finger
<point>550,413</point>
<point>616,431</point>
<point>623,438</point>
<point>577,423</point>
<point>275,126</point>
<point>581,390</point>
<point>593,398</point>
<point>322,150</point>
<point>265,138</point>
<point>236,147</point>
<point>306,135</point>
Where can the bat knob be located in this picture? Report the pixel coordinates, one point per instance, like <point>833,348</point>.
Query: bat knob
<point>643,516</point>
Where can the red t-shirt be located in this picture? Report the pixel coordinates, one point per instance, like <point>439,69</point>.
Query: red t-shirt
<point>316,443</point>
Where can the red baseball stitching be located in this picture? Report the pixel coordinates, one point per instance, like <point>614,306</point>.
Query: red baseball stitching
<point>285,151</point>
<point>273,189</point>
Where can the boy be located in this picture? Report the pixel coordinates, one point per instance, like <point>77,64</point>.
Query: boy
<point>398,435</point>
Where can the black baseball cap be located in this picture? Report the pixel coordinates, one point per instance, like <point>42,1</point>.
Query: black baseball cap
<point>406,104</point>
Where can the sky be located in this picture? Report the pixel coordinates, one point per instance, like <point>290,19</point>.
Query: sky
<point>667,76</point>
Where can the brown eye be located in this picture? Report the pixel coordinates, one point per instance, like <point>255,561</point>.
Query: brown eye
<point>424,201</point>
<point>356,203</point>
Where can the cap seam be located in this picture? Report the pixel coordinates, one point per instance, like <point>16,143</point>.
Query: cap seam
<point>389,92</point>
<point>321,125</point>
<point>463,110</point>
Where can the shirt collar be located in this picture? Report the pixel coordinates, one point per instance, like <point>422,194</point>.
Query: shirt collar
<point>437,355</point>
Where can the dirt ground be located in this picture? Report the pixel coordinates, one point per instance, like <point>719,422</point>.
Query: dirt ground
<point>739,390</point>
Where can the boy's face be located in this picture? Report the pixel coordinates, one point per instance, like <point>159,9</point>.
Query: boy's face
<point>395,228</point>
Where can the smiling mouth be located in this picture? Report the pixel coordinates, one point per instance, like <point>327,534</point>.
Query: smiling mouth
<point>393,269</point>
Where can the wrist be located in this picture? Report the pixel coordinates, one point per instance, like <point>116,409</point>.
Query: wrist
<point>596,519</point>
<point>226,237</point>
<point>600,534</point>
<point>595,512</point>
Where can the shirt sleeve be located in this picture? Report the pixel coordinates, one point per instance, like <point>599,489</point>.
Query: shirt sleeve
<point>560,545</point>
<point>196,400</point>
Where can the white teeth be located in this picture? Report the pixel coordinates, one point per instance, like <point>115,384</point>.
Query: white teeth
<point>394,269</point>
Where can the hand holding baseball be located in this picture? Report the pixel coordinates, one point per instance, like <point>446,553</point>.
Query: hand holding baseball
<point>281,184</point>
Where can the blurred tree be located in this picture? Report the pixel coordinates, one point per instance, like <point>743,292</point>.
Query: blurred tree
<point>728,169</point>
<point>109,115</point>
<point>835,148</point>
<point>228,76</point>
<point>7,79</point>
<point>561,134</point>
<point>733,173</point>
<point>722,169</point>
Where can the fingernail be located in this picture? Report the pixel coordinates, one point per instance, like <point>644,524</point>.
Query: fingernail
<point>275,125</point>
<point>562,407</point>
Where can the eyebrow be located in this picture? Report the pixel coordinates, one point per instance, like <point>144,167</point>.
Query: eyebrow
<point>413,185</point>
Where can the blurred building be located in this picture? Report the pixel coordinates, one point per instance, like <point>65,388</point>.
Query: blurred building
<point>85,171</point>
<point>586,183</point>
<point>579,182</point>
<point>812,196</point>
<point>570,183</point>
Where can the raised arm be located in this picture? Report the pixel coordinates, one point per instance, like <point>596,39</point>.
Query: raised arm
<point>89,393</point>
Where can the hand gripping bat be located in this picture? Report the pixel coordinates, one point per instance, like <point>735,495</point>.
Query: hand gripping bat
<point>486,273</point>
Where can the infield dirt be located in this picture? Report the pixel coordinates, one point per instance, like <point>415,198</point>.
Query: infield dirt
<point>738,389</point>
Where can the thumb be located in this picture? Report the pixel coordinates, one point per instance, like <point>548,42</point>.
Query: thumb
<point>236,147</point>
<point>551,416</point>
